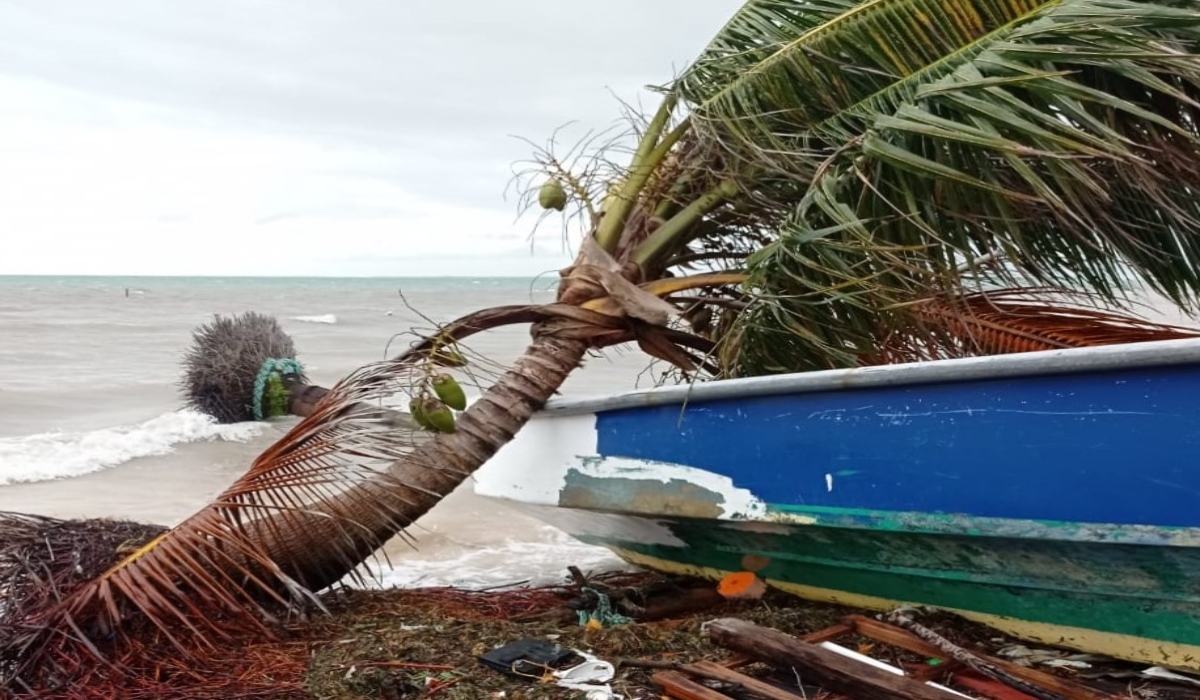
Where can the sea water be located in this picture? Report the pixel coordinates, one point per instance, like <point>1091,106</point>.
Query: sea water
<point>92,424</point>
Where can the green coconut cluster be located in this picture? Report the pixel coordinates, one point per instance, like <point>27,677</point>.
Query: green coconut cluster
<point>434,405</point>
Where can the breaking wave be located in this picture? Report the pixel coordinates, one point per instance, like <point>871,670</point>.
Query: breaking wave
<point>320,318</point>
<point>535,563</point>
<point>60,455</point>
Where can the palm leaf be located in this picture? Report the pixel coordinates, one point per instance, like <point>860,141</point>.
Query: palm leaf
<point>886,142</point>
<point>1012,321</point>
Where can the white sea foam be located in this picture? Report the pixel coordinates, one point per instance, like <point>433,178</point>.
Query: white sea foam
<point>320,318</point>
<point>59,455</point>
<point>542,561</point>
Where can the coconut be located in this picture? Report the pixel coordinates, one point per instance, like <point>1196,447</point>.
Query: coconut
<point>552,195</point>
<point>449,391</point>
<point>439,416</point>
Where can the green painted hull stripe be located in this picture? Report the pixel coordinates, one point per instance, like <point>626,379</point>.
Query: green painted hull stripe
<point>1149,619</point>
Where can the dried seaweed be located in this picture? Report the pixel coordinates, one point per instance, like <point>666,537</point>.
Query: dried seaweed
<point>43,559</point>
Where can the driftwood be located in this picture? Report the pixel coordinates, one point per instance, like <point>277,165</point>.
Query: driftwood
<point>709,671</point>
<point>826,668</point>
<point>684,688</point>
<point>976,663</point>
<point>904,639</point>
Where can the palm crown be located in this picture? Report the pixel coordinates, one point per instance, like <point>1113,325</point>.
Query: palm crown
<point>860,157</point>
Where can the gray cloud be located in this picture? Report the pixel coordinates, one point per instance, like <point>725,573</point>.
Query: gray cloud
<point>430,93</point>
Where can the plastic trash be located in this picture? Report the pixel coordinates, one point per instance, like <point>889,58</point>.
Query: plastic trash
<point>591,677</point>
<point>742,585</point>
<point>528,657</point>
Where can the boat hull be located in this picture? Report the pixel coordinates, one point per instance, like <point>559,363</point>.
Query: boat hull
<point>1053,495</point>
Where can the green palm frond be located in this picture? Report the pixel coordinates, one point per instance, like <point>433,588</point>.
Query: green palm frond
<point>895,140</point>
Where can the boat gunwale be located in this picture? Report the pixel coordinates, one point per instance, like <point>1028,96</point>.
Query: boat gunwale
<point>1126,356</point>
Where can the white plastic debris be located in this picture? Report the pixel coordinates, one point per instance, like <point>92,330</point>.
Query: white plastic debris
<point>1169,675</point>
<point>592,677</point>
<point>1048,657</point>
<point>850,654</point>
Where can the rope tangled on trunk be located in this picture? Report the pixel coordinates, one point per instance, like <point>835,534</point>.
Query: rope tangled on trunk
<point>270,366</point>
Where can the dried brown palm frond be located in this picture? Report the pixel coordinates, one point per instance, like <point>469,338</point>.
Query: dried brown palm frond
<point>1013,321</point>
<point>320,495</point>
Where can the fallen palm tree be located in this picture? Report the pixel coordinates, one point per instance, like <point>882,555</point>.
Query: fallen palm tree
<point>820,171</point>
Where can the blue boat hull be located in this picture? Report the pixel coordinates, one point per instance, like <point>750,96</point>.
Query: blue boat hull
<point>1055,490</point>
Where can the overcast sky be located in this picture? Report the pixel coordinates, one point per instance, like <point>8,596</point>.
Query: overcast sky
<point>331,137</point>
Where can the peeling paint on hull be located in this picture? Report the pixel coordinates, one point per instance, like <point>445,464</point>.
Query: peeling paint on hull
<point>1058,495</point>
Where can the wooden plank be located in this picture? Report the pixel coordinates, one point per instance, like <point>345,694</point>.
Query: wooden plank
<point>889,634</point>
<point>754,685</point>
<point>894,636</point>
<point>929,673</point>
<point>826,668</point>
<point>828,634</point>
<point>823,635</point>
<point>680,686</point>
<point>990,688</point>
<point>1040,683</point>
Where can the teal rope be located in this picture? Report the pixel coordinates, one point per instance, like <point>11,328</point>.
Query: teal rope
<point>270,366</point>
<point>604,613</point>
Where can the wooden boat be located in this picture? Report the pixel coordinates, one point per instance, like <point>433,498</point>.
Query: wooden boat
<point>1054,495</point>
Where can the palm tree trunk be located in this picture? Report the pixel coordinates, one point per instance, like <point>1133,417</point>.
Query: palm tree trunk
<point>303,397</point>
<point>368,514</point>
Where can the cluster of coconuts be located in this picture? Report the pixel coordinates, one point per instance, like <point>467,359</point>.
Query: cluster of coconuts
<point>433,408</point>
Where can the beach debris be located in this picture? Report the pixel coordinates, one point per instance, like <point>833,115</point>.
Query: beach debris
<point>1161,673</point>
<point>592,676</point>
<point>804,666</point>
<point>975,662</point>
<point>1153,673</point>
<point>43,559</point>
<point>528,658</point>
<point>602,614</point>
<point>544,660</point>
<point>1053,658</point>
<point>742,585</point>
<point>830,669</point>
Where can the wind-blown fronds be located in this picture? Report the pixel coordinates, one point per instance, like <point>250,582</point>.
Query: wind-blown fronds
<point>225,357</point>
<point>1011,321</point>
<point>996,322</point>
<point>880,143</point>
